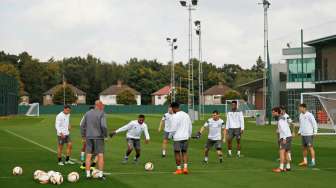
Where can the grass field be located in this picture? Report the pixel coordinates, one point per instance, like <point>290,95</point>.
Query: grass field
<point>30,142</point>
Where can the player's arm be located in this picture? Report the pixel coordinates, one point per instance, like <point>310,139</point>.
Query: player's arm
<point>190,127</point>
<point>58,124</point>
<point>224,132</point>
<point>242,123</point>
<point>161,125</point>
<point>147,137</point>
<point>83,126</point>
<point>103,125</point>
<point>314,123</point>
<point>121,129</point>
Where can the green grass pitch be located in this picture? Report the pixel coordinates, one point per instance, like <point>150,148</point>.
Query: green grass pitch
<point>30,142</point>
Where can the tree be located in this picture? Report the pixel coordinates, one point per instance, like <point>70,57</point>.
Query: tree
<point>70,97</point>
<point>126,97</point>
<point>181,96</point>
<point>231,95</point>
<point>10,70</point>
<point>259,67</point>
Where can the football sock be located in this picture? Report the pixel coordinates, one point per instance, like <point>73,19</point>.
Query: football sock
<point>137,156</point>
<point>305,159</point>
<point>313,160</point>
<point>82,156</point>
<point>83,164</point>
<point>178,167</point>
<point>206,159</point>
<point>289,156</point>
<point>163,152</point>
<point>67,158</point>
<point>288,166</point>
<point>185,166</point>
<point>281,166</point>
<point>59,159</point>
<point>230,152</point>
<point>88,173</point>
<point>238,152</point>
<point>126,157</point>
<point>100,174</point>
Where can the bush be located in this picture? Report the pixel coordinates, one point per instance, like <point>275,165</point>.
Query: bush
<point>70,97</point>
<point>126,97</point>
<point>231,95</point>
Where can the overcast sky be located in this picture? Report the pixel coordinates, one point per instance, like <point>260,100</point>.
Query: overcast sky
<point>116,30</point>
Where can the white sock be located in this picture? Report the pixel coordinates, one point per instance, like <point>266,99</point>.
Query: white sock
<point>178,167</point>
<point>313,160</point>
<point>206,159</point>
<point>88,174</point>
<point>290,156</point>
<point>238,152</point>
<point>101,173</point>
<point>185,166</point>
<point>305,159</point>
<point>82,154</point>
<point>230,152</point>
<point>288,166</point>
<point>281,166</point>
<point>164,152</point>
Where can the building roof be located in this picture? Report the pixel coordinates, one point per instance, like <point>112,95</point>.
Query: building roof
<point>219,89</point>
<point>163,91</point>
<point>73,88</point>
<point>255,84</point>
<point>119,87</point>
<point>322,41</point>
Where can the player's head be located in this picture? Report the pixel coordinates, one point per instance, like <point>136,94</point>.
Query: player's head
<point>276,112</point>
<point>215,115</point>
<point>283,109</point>
<point>175,106</point>
<point>66,109</point>
<point>141,119</point>
<point>302,107</point>
<point>91,107</point>
<point>99,105</point>
<point>170,110</point>
<point>234,105</point>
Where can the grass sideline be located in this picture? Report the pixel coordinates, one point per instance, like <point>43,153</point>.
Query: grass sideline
<point>30,142</point>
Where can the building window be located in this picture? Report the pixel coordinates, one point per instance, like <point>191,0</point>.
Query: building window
<point>294,67</point>
<point>159,97</point>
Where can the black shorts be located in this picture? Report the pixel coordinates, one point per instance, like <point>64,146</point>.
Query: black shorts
<point>65,140</point>
<point>286,146</point>
<point>133,143</point>
<point>181,146</point>
<point>211,143</point>
<point>95,146</point>
<point>234,132</point>
<point>307,141</point>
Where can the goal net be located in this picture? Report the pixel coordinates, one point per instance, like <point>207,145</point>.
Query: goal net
<point>323,106</point>
<point>34,109</point>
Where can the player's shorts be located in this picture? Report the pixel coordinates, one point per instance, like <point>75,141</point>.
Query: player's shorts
<point>95,146</point>
<point>181,146</point>
<point>286,146</point>
<point>307,141</point>
<point>65,140</point>
<point>234,132</point>
<point>166,135</point>
<point>133,143</point>
<point>211,143</point>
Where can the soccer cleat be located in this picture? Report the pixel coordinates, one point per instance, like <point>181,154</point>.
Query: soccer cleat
<point>312,164</point>
<point>82,167</point>
<point>220,160</point>
<point>303,164</point>
<point>60,163</point>
<point>163,156</point>
<point>288,169</point>
<point>185,171</point>
<point>229,155</point>
<point>136,161</point>
<point>69,162</point>
<point>278,170</point>
<point>178,172</point>
<point>205,162</point>
<point>102,178</point>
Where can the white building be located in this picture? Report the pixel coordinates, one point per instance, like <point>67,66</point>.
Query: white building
<point>213,95</point>
<point>160,97</point>
<point>109,95</point>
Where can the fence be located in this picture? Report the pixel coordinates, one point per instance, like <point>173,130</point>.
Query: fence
<point>8,95</point>
<point>145,109</point>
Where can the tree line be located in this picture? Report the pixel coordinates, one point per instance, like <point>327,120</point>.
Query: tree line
<point>92,75</point>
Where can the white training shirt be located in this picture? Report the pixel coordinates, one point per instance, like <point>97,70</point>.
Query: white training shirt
<point>134,130</point>
<point>289,120</point>
<point>181,126</point>
<point>235,120</point>
<point>215,128</point>
<point>62,124</point>
<point>167,118</point>
<point>283,127</point>
<point>308,124</point>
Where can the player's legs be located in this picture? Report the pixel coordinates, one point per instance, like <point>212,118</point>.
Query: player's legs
<point>218,146</point>
<point>184,151</point>
<point>312,154</point>
<point>100,161</point>
<point>229,141</point>
<point>164,147</point>
<point>59,154</point>
<point>177,153</point>
<point>130,144</point>
<point>207,147</point>
<point>68,153</point>
<point>88,164</point>
<point>238,137</point>
<point>137,154</point>
<point>304,154</point>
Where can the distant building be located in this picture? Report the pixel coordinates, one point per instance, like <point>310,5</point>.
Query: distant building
<point>48,95</point>
<point>292,58</point>
<point>24,98</point>
<point>213,95</point>
<point>160,97</point>
<point>109,95</point>
<point>325,73</point>
<point>254,91</point>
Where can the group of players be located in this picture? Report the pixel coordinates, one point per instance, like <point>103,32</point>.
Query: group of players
<point>177,126</point>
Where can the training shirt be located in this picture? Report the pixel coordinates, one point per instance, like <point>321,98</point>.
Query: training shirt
<point>134,130</point>
<point>283,127</point>
<point>62,124</point>
<point>167,117</point>
<point>215,128</point>
<point>181,126</point>
<point>235,120</point>
<point>94,125</point>
<point>308,124</point>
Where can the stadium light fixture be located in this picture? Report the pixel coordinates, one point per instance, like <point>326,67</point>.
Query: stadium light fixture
<point>175,40</point>
<point>168,39</point>
<point>183,3</point>
<point>194,2</point>
<point>197,23</point>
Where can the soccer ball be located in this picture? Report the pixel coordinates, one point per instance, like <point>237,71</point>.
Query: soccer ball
<point>56,178</point>
<point>95,173</point>
<point>37,174</point>
<point>43,178</point>
<point>149,166</point>
<point>17,171</point>
<point>73,177</point>
<point>50,173</point>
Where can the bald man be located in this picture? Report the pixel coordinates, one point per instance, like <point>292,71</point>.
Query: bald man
<point>94,130</point>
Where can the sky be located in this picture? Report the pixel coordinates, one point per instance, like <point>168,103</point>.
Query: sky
<point>117,30</point>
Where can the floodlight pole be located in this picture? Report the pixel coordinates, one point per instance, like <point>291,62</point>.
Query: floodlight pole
<point>173,47</point>
<point>302,79</point>
<point>200,70</point>
<point>63,80</point>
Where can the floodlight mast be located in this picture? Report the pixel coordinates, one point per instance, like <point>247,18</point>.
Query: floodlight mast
<point>200,70</point>
<point>191,102</point>
<point>173,47</point>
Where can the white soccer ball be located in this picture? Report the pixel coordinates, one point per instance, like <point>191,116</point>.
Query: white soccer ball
<point>73,177</point>
<point>56,178</point>
<point>149,166</point>
<point>50,173</point>
<point>95,173</point>
<point>37,174</point>
<point>43,178</point>
<point>17,171</point>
